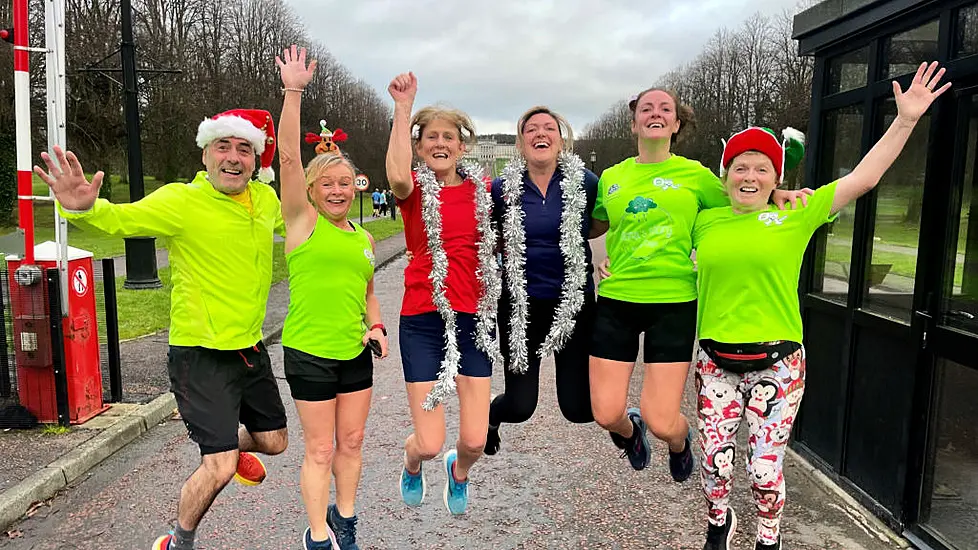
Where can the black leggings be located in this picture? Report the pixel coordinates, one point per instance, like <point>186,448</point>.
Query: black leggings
<point>573,386</point>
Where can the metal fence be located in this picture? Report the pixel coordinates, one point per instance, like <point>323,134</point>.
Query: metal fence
<point>19,350</point>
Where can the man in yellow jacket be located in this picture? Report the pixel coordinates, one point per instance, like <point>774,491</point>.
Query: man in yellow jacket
<point>219,230</point>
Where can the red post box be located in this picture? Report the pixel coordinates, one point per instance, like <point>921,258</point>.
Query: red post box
<point>32,338</point>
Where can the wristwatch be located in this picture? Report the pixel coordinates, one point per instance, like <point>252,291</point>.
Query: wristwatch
<point>382,328</point>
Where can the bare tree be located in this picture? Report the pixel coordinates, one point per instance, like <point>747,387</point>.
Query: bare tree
<point>753,76</point>
<point>225,52</point>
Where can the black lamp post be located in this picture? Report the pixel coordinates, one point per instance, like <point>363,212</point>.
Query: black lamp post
<point>594,159</point>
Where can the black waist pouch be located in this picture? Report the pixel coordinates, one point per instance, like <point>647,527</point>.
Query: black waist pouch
<point>744,358</point>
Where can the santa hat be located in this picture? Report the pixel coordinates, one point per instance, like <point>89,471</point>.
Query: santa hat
<point>253,125</point>
<point>785,154</point>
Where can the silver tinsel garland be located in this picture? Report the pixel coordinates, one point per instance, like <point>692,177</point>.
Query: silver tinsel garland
<point>487,274</point>
<point>571,246</point>
<point>488,271</point>
<point>514,248</point>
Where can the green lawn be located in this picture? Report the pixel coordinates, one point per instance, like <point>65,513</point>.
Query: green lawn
<point>891,227</point>
<point>383,228</point>
<point>837,255</point>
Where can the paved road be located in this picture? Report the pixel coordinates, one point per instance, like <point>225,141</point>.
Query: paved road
<point>553,485</point>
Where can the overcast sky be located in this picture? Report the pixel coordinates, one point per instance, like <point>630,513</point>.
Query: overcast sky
<point>495,59</point>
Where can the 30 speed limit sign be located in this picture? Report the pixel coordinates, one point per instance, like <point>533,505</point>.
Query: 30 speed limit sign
<point>361,182</point>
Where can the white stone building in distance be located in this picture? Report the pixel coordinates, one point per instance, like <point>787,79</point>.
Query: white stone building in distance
<point>492,152</point>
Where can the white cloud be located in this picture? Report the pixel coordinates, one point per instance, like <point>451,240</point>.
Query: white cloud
<point>496,59</point>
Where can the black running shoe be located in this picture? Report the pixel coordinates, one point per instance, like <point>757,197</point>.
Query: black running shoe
<point>345,528</point>
<point>492,440</point>
<point>635,448</point>
<point>762,546</point>
<point>681,463</point>
<point>719,538</point>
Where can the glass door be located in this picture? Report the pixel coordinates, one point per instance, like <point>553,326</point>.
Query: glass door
<point>949,495</point>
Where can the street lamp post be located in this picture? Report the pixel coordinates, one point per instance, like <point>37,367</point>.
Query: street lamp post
<point>594,159</point>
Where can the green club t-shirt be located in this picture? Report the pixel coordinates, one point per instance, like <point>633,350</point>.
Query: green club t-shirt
<point>650,209</point>
<point>749,266</point>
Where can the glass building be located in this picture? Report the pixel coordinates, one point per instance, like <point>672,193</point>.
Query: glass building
<point>890,289</point>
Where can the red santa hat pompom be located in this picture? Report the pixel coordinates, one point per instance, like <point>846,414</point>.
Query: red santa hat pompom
<point>253,125</point>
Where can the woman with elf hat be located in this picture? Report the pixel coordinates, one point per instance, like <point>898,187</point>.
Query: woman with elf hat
<point>452,286</point>
<point>647,204</point>
<point>334,317</point>
<point>751,361</point>
<point>542,205</point>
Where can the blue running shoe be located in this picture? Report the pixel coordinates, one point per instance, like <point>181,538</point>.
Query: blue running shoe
<point>636,448</point>
<point>328,544</point>
<point>345,528</point>
<point>413,487</point>
<point>681,463</point>
<point>456,492</point>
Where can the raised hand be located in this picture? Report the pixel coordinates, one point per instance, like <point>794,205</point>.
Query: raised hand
<point>913,103</point>
<point>403,88</point>
<point>68,183</point>
<point>295,73</point>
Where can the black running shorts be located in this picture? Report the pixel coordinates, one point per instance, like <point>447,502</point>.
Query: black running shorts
<point>217,389</point>
<point>313,378</point>
<point>670,330</point>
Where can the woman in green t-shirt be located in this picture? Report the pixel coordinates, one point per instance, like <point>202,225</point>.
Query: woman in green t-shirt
<point>751,361</point>
<point>334,317</point>
<point>647,205</point>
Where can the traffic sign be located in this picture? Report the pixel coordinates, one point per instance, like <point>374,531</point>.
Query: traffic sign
<point>361,182</point>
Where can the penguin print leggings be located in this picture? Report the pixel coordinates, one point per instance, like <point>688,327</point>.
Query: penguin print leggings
<point>769,400</point>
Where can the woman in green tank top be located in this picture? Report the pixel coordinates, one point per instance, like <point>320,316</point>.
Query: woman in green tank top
<point>331,305</point>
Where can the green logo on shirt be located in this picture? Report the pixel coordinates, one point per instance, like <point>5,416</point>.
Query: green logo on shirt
<point>369,254</point>
<point>640,205</point>
<point>646,234</point>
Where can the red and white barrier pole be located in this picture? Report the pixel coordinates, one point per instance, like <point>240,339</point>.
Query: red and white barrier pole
<point>22,107</point>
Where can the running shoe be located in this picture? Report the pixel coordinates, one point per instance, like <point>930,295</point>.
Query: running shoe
<point>720,537</point>
<point>492,440</point>
<point>413,487</point>
<point>344,528</point>
<point>681,463</point>
<point>762,546</point>
<point>328,544</point>
<point>251,471</point>
<point>636,448</point>
<point>456,493</point>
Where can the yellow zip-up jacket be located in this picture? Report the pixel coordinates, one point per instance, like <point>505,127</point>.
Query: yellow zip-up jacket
<point>220,256</point>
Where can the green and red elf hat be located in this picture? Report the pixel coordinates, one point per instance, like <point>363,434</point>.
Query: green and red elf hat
<point>784,154</point>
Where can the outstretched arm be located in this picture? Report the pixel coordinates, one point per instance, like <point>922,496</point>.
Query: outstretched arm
<point>295,77</point>
<point>911,105</point>
<point>156,215</point>
<point>403,89</point>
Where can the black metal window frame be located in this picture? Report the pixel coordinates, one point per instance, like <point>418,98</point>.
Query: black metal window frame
<point>897,16</point>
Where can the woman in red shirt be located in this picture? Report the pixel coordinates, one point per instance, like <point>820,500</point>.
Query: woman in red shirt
<point>451,287</point>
